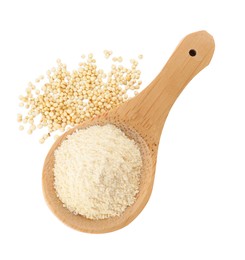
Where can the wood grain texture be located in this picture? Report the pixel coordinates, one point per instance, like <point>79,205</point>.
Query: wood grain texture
<point>142,119</point>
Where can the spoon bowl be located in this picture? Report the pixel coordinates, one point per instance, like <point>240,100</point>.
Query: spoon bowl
<point>142,118</point>
<point>82,223</point>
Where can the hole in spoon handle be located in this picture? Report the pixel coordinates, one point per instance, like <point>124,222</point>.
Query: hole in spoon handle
<point>192,52</point>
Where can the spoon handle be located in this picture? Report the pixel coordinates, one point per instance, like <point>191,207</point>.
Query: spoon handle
<point>151,107</point>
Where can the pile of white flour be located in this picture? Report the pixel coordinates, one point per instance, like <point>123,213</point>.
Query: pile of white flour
<point>97,172</point>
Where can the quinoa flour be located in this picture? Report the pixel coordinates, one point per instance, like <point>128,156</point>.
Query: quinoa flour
<point>97,172</point>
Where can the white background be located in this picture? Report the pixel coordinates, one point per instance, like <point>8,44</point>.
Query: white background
<point>197,208</point>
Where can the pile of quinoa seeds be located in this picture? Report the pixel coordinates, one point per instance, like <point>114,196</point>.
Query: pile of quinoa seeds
<point>63,98</point>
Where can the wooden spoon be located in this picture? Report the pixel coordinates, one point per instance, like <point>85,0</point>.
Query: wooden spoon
<point>141,118</point>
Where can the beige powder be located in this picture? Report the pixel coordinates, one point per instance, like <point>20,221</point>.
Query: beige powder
<point>97,172</point>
